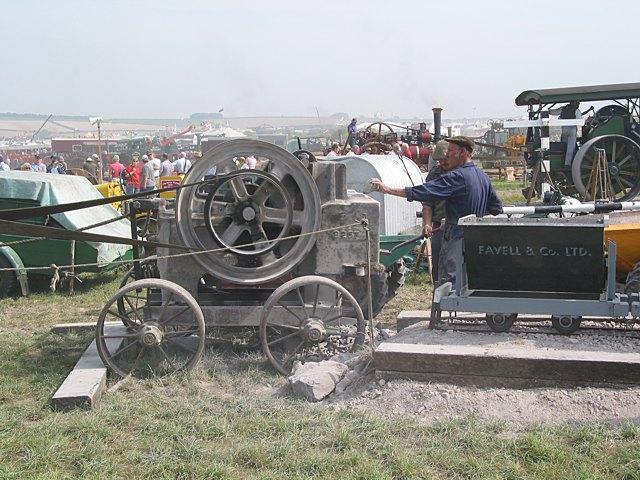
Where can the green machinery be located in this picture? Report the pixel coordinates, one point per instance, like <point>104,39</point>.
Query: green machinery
<point>612,129</point>
<point>29,189</point>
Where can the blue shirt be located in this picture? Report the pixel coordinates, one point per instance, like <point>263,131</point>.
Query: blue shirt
<point>352,129</point>
<point>466,190</point>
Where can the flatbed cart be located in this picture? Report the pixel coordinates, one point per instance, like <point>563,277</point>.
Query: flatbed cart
<point>556,267</point>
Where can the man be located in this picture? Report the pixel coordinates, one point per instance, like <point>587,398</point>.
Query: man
<point>570,132</point>
<point>155,162</point>
<point>465,189</point>
<point>132,176</point>
<point>90,167</point>
<point>62,165</point>
<point>38,166</point>
<point>335,151</point>
<point>433,211</point>
<point>182,164</point>
<point>352,131</point>
<point>115,168</point>
<point>252,162</point>
<point>147,177</point>
<point>4,164</point>
<point>166,167</point>
<point>53,165</point>
<point>405,151</point>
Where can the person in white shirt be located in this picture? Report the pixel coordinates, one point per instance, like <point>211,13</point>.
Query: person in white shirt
<point>182,164</point>
<point>156,164</point>
<point>4,164</point>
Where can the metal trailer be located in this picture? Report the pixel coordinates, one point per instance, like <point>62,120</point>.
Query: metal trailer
<point>554,267</point>
<point>612,129</point>
<point>286,250</point>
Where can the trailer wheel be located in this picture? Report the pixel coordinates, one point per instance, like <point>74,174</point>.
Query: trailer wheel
<point>294,329</point>
<point>632,285</point>
<point>8,279</point>
<point>166,331</point>
<point>566,324</point>
<point>499,322</point>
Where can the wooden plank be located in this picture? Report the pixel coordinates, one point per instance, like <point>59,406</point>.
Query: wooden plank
<point>557,366</point>
<point>86,383</point>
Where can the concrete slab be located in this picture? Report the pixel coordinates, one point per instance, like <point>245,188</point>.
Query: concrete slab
<point>500,360</point>
<point>85,384</point>
<point>79,327</point>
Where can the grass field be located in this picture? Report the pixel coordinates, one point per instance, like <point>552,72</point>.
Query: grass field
<point>232,418</point>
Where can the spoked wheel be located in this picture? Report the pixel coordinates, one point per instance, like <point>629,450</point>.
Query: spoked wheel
<point>623,160</point>
<point>148,269</point>
<point>309,319</point>
<point>566,324</point>
<point>164,333</point>
<point>499,323</point>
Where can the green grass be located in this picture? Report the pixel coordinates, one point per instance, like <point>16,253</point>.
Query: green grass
<point>232,418</point>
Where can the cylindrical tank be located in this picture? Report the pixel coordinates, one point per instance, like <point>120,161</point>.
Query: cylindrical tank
<point>420,155</point>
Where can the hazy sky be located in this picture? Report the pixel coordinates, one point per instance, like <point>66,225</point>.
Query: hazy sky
<point>166,58</point>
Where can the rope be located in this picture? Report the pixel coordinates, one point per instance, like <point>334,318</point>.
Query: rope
<point>185,254</point>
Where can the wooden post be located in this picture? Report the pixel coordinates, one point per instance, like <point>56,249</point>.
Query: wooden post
<point>99,153</point>
<point>72,280</point>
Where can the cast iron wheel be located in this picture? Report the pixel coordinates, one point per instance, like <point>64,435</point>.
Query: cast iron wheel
<point>632,285</point>
<point>566,324</point>
<point>292,329</point>
<point>8,279</point>
<point>396,277</point>
<point>165,335</point>
<point>500,323</point>
<point>284,168</point>
<point>379,293</point>
<point>623,158</point>
<point>148,269</point>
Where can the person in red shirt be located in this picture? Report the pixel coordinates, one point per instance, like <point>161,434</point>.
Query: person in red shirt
<point>132,176</point>
<point>115,169</point>
<point>405,150</point>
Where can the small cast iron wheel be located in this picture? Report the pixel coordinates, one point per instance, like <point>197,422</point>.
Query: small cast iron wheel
<point>623,159</point>
<point>248,208</point>
<point>499,322</point>
<point>148,269</point>
<point>566,324</point>
<point>375,129</point>
<point>295,327</point>
<point>165,334</point>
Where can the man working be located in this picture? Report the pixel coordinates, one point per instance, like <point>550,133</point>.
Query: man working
<point>570,132</point>
<point>352,132</point>
<point>465,189</point>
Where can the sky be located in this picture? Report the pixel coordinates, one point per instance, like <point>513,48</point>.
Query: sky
<point>170,58</point>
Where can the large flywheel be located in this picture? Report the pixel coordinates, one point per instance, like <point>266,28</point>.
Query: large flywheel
<point>250,213</point>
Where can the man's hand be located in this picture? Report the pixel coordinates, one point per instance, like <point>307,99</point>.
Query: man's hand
<point>376,185</point>
<point>427,230</point>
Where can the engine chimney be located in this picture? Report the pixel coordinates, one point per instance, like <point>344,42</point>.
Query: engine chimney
<point>437,124</point>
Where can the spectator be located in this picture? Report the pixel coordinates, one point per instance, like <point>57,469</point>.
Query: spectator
<point>405,150</point>
<point>4,164</point>
<point>38,166</point>
<point>62,165</point>
<point>252,162</point>
<point>25,167</point>
<point>155,162</point>
<point>334,152</point>
<point>91,168</point>
<point>147,177</point>
<point>241,162</point>
<point>116,168</point>
<point>349,151</point>
<point>132,176</point>
<point>182,164</point>
<point>166,167</point>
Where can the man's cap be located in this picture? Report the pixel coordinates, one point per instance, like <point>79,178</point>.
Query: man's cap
<point>145,158</point>
<point>136,154</point>
<point>116,157</point>
<point>95,156</point>
<point>440,151</point>
<point>461,141</point>
<point>89,159</point>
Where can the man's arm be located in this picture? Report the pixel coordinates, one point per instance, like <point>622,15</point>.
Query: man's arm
<point>494,204</point>
<point>427,220</point>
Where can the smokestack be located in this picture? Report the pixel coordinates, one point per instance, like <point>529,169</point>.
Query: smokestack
<point>437,123</point>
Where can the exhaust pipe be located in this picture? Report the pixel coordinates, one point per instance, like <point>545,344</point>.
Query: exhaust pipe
<point>437,124</point>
